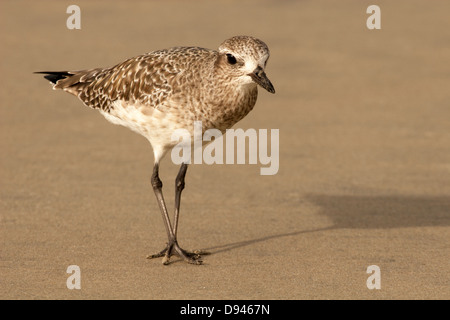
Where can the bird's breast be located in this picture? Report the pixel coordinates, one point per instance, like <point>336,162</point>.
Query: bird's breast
<point>227,108</point>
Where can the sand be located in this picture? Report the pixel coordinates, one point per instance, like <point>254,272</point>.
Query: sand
<point>364,177</point>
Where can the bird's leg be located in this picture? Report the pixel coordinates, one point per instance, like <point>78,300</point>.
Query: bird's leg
<point>179,186</point>
<point>172,245</point>
<point>157,188</point>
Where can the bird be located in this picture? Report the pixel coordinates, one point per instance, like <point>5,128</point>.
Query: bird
<point>156,93</point>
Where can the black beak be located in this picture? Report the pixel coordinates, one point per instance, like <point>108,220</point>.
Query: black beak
<point>259,76</point>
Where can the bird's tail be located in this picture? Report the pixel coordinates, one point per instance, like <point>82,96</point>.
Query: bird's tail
<point>74,82</point>
<point>55,76</point>
<point>71,81</point>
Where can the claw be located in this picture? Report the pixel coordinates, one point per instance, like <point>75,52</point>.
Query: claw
<point>173,248</point>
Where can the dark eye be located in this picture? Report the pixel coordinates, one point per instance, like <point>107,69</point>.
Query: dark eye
<point>231,59</point>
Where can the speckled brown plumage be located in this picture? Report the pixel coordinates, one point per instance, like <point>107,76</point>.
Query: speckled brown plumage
<point>172,88</point>
<point>159,92</point>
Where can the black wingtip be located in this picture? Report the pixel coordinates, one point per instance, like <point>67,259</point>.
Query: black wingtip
<point>54,76</point>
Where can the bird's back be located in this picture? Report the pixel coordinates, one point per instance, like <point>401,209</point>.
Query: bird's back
<point>148,79</point>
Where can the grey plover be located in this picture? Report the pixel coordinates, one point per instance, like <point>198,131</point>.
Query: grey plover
<point>156,93</point>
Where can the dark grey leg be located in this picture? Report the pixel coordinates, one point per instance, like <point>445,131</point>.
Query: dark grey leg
<point>157,188</point>
<point>179,186</point>
<point>172,245</point>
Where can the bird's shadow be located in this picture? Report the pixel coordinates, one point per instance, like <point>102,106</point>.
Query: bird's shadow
<point>365,212</point>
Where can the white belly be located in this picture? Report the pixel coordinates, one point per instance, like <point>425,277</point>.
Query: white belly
<point>155,125</point>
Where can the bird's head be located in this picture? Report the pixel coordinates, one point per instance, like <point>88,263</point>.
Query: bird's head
<point>245,59</point>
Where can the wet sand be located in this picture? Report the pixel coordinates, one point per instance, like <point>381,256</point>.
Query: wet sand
<point>364,175</point>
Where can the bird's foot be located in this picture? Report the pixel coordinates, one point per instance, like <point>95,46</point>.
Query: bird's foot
<point>173,248</point>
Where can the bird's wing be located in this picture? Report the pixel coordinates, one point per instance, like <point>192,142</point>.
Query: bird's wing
<point>145,79</point>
